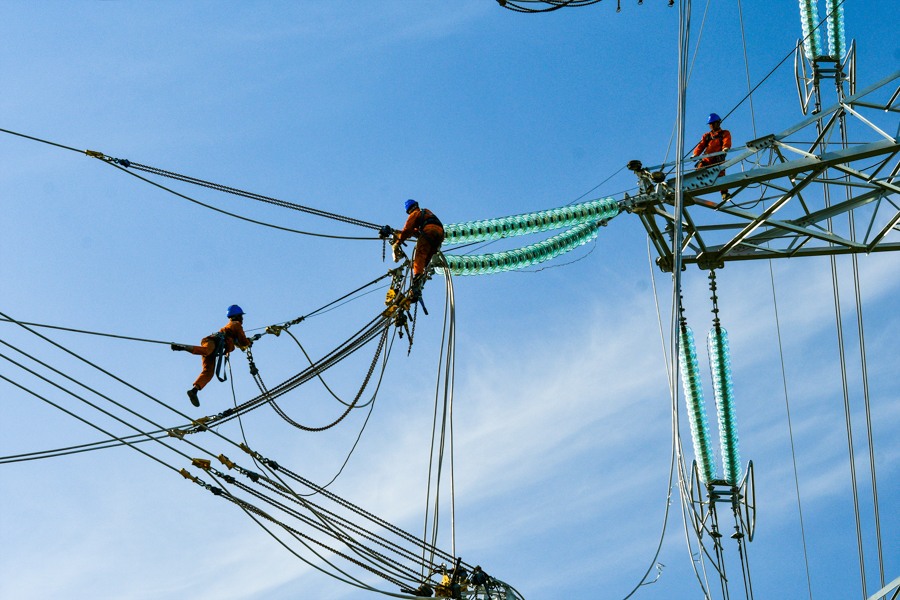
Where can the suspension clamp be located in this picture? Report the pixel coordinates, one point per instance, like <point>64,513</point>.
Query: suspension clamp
<point>201,463</point>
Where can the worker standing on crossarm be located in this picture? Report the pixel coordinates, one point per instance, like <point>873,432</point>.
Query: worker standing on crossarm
<point>421,224</point>
<point>714,140</point>
<point>217,346</point>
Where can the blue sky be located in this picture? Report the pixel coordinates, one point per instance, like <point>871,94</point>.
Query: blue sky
<point>562,410</point>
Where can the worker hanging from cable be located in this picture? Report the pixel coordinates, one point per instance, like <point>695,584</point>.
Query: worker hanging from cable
<point>216,347</point>
<point>714,140</point>
<point>424,225</point>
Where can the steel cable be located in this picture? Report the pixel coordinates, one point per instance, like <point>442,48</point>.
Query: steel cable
<point>363,513</point>
<point>356,342</point>
<point>324,529</point>
<point>113,162</point>
<point>236,216</point>
<point>230,190</point>
<point>371,404</point>
<point>71,414</point>
<point>350,406</point>
<point>787,407</point>
<point>208,453</point>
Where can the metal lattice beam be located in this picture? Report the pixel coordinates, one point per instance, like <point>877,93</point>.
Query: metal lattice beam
<point>794,180</point>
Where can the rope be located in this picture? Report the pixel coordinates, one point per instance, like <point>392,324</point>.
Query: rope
<point>690,72</point>
<point>277,329</point>
<point>431,451</point>
<point>136,339</point>
<point>449,381</point>
<point>684,29</point>
<point>312,364</point>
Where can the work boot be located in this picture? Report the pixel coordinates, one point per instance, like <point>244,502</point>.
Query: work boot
<point>192,394</point>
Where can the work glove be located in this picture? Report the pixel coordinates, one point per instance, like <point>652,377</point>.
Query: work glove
<point>398,252</point>
<point>177,347</point>
<point>385,232</point>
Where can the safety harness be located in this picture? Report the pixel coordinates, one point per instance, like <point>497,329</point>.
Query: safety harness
<point>426,217</point>
<point>219,354</point>
<point>709,136</point>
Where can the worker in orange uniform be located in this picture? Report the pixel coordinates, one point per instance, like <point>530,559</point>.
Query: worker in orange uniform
<point>715,140</point>
<point>217,346</point>
<point>423,225</point>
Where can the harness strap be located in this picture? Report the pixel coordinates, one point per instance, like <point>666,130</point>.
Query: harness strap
<point>220,355</point>
<point>431,219</point>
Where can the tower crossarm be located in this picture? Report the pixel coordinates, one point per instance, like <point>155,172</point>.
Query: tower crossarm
<point>782,197</point>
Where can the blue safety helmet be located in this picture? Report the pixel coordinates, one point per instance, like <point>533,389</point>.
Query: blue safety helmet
<point>234,310</point>
<point>713,117</point>
<point>409,204</point>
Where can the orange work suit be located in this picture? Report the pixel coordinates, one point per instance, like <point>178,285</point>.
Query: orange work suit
<point>233,331</point>
<point>711,142</point>
<point>714,141</point>
<point>423,225</point>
